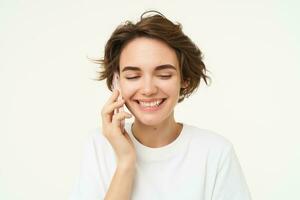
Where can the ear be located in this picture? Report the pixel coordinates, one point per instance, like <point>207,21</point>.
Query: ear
<point>185,84</point>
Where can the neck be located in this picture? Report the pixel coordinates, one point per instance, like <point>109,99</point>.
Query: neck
<point>157,135</point>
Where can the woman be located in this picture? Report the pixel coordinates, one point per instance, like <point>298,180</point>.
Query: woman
<point>155,157</point>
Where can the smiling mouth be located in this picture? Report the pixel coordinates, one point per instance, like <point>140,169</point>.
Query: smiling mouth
<point>150,104</point>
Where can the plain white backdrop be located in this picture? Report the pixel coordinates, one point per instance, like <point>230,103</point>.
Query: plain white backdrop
<point>49,102</point>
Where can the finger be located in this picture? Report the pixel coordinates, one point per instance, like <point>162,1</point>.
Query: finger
<point>121,109</point>
<point>116,96</point>
<point>118,117</point>
<point>108,111</point>
<point>113,97</point>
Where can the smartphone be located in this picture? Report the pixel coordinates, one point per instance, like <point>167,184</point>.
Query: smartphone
<point>116,82</point>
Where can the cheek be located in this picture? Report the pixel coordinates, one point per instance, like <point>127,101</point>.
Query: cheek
<point>172,87</point>
<point>127,90</point>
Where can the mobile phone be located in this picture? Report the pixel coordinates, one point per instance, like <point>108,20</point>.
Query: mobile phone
<point>116,85</point>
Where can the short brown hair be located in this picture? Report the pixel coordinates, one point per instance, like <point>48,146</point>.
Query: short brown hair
<point>156,26</point>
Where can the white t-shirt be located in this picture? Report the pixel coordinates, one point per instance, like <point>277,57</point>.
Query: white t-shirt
<point>198,165</point>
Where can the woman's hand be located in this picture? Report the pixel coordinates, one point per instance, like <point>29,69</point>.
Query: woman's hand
<point>112,130</point>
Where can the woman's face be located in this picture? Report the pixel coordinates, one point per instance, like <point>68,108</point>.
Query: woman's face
<point>149,80</point>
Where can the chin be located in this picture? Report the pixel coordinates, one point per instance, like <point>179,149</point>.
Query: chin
<point>151,120</point>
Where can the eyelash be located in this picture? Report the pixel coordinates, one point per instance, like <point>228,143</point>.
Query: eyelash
<point>161,76</point>
<point>165,76</point>
<point>131,77</point>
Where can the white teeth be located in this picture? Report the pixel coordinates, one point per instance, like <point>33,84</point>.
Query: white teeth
<point>150,104</point>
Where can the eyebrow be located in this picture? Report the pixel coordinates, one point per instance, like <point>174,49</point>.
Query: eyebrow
<point>157,68</point>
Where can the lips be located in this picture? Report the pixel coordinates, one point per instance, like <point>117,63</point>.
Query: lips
<point>150,104</point>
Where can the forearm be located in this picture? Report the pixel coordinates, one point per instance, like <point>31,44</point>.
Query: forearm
<point>122,183</point>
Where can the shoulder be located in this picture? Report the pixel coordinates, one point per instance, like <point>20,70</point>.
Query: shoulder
<point>207,139</point>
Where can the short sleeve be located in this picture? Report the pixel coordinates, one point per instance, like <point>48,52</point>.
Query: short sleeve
<point>230,182</point>
<point>89,185</point>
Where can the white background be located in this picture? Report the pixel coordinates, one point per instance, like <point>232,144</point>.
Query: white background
<point>49,101</point>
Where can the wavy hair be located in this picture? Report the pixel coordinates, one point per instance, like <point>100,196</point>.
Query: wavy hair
<point>156,26</point>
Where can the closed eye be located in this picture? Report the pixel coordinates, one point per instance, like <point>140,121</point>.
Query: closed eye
<point>132,77</point>
<point>165,76</point>
<point>160,76</point>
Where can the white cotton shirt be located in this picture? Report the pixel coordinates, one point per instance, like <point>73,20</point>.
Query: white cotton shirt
<point>198,165</point>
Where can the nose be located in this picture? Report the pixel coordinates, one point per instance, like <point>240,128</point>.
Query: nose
<point>149,87</point>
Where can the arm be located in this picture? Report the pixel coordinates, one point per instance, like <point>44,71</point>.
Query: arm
<point>122,183</point>
<point>92,182</point>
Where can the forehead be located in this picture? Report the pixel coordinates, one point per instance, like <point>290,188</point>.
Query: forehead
<point>147,53</point>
